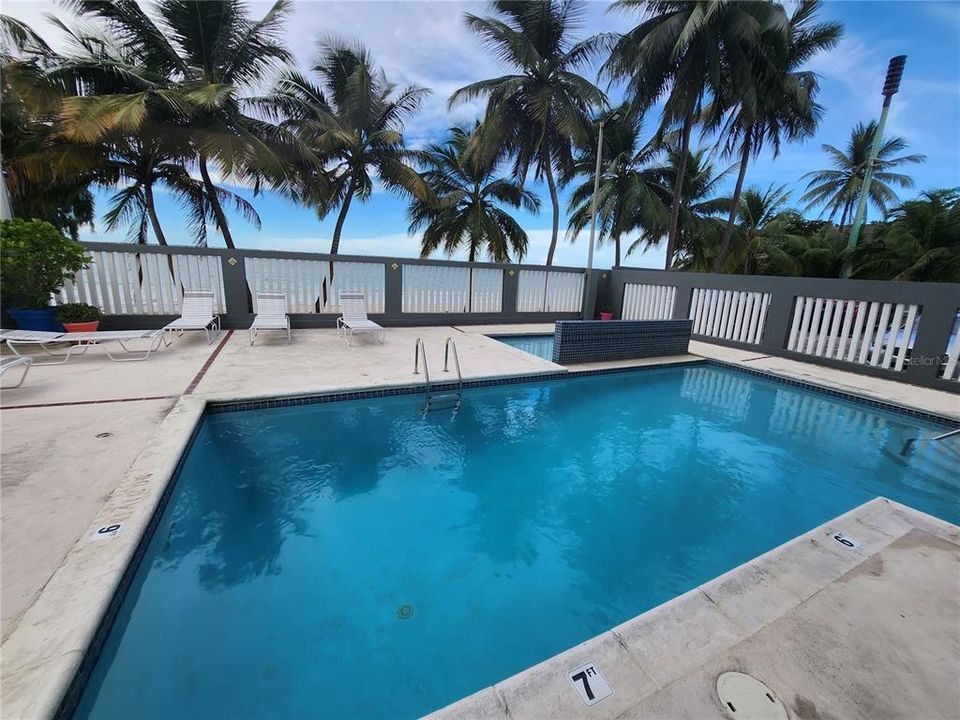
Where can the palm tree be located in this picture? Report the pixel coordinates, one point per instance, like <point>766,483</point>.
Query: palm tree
<point>46,178</point>
<point>535,113</point>
<point>698,228</point>
<point>771,97</point>
<point>684,49</point>
<point>628,196</point>
<point>838,188</point>
<point>145,162</point>
<point>762,229</point>
<point>183,73</point>
<point>920,241</point>
<point>466,209</point>
<point>353,123</point>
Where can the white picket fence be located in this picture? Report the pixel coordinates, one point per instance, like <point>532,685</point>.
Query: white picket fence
<point>451,289</point>
<point>313,286</point>
<point>738,315</point>
<point>549,291</point>
<point>132,283</point>
<point>858,331</point>
<point>648,302</point>
<point>951,365</point>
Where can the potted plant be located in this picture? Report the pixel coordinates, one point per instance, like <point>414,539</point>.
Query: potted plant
<point>79,317</point>
<point>35,260</point>
<point>606,313</point>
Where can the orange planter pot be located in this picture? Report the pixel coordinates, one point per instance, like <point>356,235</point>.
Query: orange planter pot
<point>82,327</point>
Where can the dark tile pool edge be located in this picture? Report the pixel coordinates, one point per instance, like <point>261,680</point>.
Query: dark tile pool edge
<point>71,698</point>
<point>216,407</point>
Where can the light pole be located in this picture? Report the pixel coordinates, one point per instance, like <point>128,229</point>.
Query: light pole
<point>596,190</point>
<point>890,87</point>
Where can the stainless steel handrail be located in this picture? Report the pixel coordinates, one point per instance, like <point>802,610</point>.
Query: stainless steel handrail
<point>456,361</point>
<point>420,350</point>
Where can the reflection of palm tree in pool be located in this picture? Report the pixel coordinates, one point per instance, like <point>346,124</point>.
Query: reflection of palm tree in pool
<point>509,505</point>
<point>623,529</point>
<point>576,495</point>
<point>241,511</point>
<point>236,516</point>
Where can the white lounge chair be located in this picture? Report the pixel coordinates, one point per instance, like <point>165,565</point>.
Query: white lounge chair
<point>196,313</point>
<point>10,363</point>
<point>271,314</point>
<point>79,343</point>
<point>353,305</point>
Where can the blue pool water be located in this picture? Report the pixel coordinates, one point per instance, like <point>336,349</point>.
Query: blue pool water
<point>355,560</point>
<point>539,345</point>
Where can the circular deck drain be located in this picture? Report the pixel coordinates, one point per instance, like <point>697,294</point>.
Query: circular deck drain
<point>405,612</point>
<point>746,698</point>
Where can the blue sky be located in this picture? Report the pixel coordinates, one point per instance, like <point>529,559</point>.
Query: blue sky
<point>427,43</point>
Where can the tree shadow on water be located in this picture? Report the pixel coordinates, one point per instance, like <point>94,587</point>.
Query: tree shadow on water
<point>249,485</point>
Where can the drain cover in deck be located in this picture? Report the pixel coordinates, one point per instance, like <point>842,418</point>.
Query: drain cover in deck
<point>745,698</point>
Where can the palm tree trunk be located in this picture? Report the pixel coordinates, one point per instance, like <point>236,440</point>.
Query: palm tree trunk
<point>152,212</point>
<point>843,216</point>
<point>218,213</point>
<point>678,191</point>
<point>552,185</point>
<point>341,218</point>
<point>734,206</point>
<point>616,251</point>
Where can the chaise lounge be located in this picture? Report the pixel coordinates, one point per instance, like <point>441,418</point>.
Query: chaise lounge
<point>353,305</point>
<point>196,313</point>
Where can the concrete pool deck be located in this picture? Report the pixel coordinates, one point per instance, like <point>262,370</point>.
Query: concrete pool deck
<point>61,473</point>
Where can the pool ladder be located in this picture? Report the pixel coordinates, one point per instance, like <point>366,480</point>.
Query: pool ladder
<point>439,401</point>
<point>909,444</point>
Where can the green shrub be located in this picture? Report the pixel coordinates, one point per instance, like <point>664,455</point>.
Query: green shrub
<point>78,313</point>
<point>35,261</point>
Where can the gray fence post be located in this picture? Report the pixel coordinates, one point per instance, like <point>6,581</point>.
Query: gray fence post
<point>933,335</point>
<point>235,294</point>
<point>603,297</point>
<point>779,315</point>
<point>393,290</point>
<point>591,287</point>
<point>511,286</point>
<point>681,304</point>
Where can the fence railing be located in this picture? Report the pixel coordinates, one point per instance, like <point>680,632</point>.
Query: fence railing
<point>452,289</point>
<point>137,283</point>
<point>550,291</point>
<point>648,302</point>
<point>313,286</point>
<point>142,283</point>
<point>900,330</point>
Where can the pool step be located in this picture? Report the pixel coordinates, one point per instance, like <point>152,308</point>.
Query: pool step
<point>442,402</point>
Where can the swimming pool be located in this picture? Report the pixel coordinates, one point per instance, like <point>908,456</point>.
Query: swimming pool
<point>354,559</point>
<point>539,345</point>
